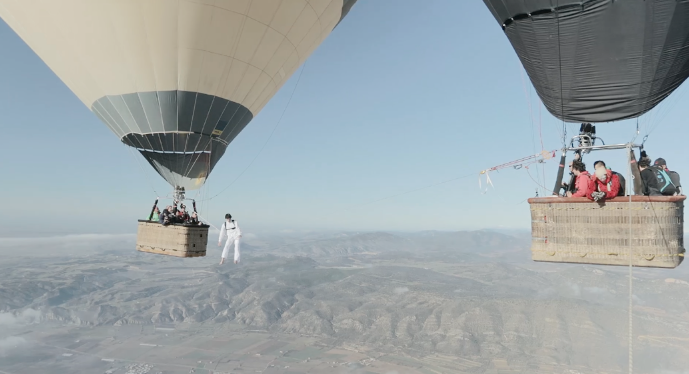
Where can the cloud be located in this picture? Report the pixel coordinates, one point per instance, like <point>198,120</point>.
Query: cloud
<point>11,343</point>
<point>26,317</point>
<point>67,244</point>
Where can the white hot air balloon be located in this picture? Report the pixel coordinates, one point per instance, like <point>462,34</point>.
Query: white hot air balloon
<point>176,79</point>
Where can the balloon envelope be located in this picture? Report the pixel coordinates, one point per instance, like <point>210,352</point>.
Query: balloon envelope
<point>599,60</point>
<point>176,79</point>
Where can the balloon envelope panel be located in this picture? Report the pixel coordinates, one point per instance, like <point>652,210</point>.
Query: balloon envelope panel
<point>599,60</point>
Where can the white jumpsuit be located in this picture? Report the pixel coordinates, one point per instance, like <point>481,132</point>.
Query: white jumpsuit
<point>232,232</point>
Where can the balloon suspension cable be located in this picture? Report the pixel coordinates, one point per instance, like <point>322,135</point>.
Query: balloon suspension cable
<point>643,141</point>
<point>636,134</point>
<point>269,137</point>
<point>524,162</point>
<point>136,161</point>
<point>631,263</point>
<point>177,196</point>
<point>207,222</point>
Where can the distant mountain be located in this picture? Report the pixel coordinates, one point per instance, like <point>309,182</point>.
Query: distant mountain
<point>470,240</point>
<point>389,291</point>
<point>344,244</point>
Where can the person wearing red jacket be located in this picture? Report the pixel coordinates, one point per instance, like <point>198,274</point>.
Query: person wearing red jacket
<point>605,181</point>
<point>583,185</point>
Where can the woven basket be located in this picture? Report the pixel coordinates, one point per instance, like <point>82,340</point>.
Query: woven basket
<point>172,240</point>
<point>578,230</point>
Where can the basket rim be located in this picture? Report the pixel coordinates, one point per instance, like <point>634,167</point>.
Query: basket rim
<point>618,199</point>
<point>173,224</point>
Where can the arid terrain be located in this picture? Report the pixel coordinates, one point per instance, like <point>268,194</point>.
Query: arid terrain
<point>429,302</point>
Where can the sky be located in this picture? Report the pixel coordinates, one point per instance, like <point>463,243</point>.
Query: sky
<point>402,96</point>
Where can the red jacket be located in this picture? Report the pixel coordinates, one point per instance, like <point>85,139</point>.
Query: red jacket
<point>583,185</point>
<point>611,186</point>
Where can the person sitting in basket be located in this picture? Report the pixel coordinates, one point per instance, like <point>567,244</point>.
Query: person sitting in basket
<point>182,215</point>
<point>156,214</point>
<point>648,177</point>
<point>583,186</point>
<point>193,219</point>
<point>167,217</point>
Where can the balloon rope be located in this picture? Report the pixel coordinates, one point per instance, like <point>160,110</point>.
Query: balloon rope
<point>136,160</point>
<point>269,137</point>
<point>207,221</point>
<point>527,95</point>
<point>631,267</point>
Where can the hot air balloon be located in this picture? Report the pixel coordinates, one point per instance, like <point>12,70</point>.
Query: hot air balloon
<point>177,80</point>
<point>594,61</point>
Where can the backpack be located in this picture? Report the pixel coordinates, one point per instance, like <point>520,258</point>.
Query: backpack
<point>665,185</point>
<point>623,183</point>
<point>674,177</point>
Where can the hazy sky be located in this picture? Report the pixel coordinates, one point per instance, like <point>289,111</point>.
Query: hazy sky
<point>402,95</point>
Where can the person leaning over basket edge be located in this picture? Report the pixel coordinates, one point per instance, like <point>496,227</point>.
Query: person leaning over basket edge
<point>606,184</point>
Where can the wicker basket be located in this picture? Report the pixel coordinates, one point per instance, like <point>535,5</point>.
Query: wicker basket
<point>578,230</point>
<point>172,240</point>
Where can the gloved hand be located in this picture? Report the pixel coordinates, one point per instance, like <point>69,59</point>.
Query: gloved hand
<point>598,195</point>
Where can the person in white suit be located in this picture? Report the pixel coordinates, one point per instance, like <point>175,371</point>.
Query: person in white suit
<point>230,230</point>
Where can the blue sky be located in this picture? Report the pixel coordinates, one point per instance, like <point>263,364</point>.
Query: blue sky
<point>402,95</point>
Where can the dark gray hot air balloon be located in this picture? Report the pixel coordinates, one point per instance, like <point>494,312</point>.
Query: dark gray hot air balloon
<point>176,79</point>
<point>599,60</point>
